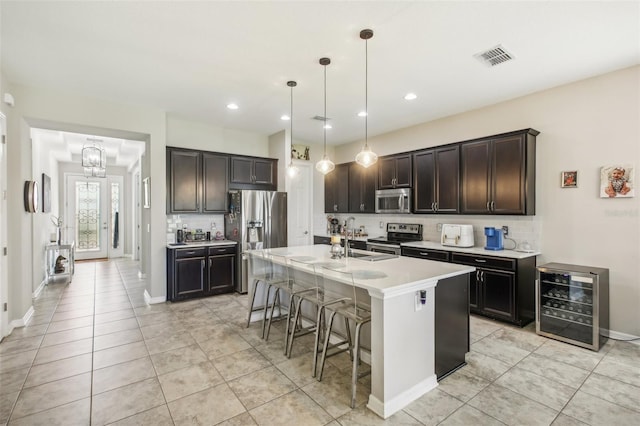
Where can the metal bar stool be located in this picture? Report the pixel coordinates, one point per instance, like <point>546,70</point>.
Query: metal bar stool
<point>263,271</point>
<point>353,311</point>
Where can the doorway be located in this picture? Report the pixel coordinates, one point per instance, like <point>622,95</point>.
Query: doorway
<point>97,224</point>
<point>299,208</point>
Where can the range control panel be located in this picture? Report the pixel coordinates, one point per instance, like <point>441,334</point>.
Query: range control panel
<point>404,228</point>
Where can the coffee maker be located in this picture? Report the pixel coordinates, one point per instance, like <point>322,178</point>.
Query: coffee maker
<point>494,238</point>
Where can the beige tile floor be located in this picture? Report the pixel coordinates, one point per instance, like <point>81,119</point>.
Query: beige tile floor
<point>95,353</point>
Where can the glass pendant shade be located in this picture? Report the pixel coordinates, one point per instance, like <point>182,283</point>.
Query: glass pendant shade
<point>292,170</point>
<point>325,165</point>
<point>366,157</point>
<point>94,156</point>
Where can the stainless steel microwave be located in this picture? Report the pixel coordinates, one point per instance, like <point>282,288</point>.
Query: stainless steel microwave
<point>393,200</point>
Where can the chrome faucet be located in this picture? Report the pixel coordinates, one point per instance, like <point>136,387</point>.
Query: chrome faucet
<point>346,234</point>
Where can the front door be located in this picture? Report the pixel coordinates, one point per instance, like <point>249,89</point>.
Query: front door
<point>96,224</point>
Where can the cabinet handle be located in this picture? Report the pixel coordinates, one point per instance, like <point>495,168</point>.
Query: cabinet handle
<point>488,205</point>
<point>202,264</point>
<point>210,263</point>
<point>335,207</point>
<point>477,276</point>
<point>191,252</point>
<point>480,260</point>
<point>424,254</point>
<point>493,206</point>
<point>435,204</point>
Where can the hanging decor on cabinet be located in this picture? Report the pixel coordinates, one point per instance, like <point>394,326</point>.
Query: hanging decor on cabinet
<point>325,165</point>
<point>366,157</point>
<point>617,181</point>
<point>292,170</point>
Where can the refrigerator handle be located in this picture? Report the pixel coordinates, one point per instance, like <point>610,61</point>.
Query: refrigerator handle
<point>537,296</point>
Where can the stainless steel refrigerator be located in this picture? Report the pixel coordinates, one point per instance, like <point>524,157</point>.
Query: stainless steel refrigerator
<point>256,220</point>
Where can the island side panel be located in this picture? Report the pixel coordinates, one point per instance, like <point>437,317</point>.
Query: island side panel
<point>402,350</point>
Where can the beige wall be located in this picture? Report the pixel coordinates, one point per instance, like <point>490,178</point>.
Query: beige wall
<point>583,126</point>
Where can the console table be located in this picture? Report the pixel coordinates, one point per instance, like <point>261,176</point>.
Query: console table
<point>52,251</point>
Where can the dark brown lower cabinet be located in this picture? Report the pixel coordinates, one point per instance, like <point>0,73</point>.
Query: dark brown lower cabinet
<point>200,271</point>
<point>501,288</point>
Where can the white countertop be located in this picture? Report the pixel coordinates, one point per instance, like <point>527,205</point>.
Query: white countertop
<point>383,278</point>
<point>512,254</point>
<point>193,244</point>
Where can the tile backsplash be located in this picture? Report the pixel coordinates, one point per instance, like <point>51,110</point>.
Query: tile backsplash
<point>206,222</point>
<point>521,228</point>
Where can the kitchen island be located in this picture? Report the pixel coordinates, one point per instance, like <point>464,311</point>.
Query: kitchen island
<point>402,328</point>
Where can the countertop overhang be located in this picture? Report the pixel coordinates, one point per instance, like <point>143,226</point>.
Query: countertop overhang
<point>383,279</point>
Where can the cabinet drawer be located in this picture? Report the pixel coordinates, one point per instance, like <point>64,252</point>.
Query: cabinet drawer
<point>194,252</point>
<point>359,245</point>
<point>484,261</point>
<point>321,240</point>
<point>442,256</point>
<point>220,250</point>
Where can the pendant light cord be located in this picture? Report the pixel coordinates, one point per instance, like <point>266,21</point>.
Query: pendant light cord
<point>366,93</point>
<point>324,127</point>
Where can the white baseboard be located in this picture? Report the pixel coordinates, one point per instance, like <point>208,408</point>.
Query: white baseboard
<point>616,335</point>
<point>22,321</point>
<point>388,408</point>
<point>37,291</point>
<point>153,300</point>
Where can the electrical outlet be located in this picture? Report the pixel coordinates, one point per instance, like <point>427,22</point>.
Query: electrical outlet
<point>505,230</point>
<point>439,227</point>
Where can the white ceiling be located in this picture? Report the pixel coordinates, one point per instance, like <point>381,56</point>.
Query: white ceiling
<point>192,58</point>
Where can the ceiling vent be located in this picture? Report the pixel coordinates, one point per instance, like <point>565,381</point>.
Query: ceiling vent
<point>494,56</point>
<point>320,118</point>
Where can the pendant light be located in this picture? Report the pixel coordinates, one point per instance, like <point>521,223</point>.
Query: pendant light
<point>292,170</point>
<point>366,157</point>
<point>325,165</point>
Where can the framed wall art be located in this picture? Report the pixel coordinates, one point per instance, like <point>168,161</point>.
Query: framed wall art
<point>299,152</point>
<point>46,193</point>
<point>569,179</point>
<point>617,181</point>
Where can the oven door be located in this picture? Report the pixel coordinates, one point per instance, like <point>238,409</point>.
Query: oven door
<point>384,248</point>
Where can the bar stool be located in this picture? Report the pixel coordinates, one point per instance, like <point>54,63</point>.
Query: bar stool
<point>269,277</point>
<point>353,311</point>
<point>313,293</point>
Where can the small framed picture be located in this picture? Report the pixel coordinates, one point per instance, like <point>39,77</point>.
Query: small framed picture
<point>300,152</point>
<point>569,179</point>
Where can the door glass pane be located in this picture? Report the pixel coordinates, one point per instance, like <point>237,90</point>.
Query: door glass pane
<point>115,215</point>
<point>88,215</point>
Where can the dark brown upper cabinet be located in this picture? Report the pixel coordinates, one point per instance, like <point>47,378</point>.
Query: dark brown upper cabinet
<point>196,181</point>
<point>394,171</point>
<point>336,190</point>
<point>436,180</point>
<point>362,188</point>
<point>498,174</point>
<point>253,173</point>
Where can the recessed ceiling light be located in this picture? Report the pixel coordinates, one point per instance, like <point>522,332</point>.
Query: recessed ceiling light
<point>362,114</point>
<point>232,106</point>
<point>285,118</point>
<point>410,96</point>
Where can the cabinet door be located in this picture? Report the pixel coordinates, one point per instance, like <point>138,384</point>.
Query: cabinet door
<point>336,190</point>
<point>241,170</point>
<point>447,179</point>
<point>183,181</point>
<point>264,171</point>
<point>498,293</point>
<point>475,160</point>
<point>403,171</point>
<point>424,182</point>
<point>221,274</point>
<point>189,278</point>
<point>386,173</point>
<point>508,175</point>
<point>362,188</point>
<point>214,188</point>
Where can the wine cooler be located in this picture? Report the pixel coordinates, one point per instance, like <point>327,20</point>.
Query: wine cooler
<point>572,303</point>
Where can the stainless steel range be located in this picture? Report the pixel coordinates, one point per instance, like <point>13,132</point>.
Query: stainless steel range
<point>397,233</point>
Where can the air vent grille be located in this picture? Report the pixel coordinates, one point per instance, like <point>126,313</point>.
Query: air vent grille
<point>494,56</point>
